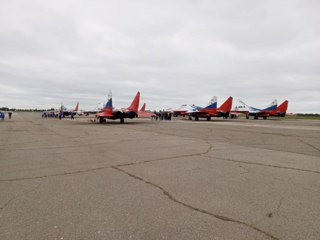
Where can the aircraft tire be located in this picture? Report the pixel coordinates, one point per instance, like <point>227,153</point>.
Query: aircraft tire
<point>209,118</point>
<point>100,120</point>
<point>121,120</point>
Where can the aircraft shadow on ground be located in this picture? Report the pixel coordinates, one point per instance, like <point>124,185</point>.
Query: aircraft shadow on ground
<point>135,122</point>
<point>232,120</point>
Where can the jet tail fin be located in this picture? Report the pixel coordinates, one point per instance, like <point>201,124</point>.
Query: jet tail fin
<point>212,103</point>
<point>77,107</point>
<point>282,108</point>
<point>62,108</point>
<point>244,104</point>
<point>272,106</point>
<point>135,103</point>
<point>143,108</point>
<point>108,105</point>
<point>227,105</point>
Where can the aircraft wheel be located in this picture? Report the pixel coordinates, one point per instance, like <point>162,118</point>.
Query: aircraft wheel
<point>100,120</point>
<point>122,120</point>
<point>209,118</point>
<point>190,118</point>
<point>247,117</point>
<point>264,118</point>
<point>196,118</point>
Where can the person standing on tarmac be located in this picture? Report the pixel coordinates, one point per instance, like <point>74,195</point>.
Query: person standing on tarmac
<point>72,116</point>
<point>10,114</point>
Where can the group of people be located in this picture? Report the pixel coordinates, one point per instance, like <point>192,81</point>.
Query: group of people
<point>162,115</point>
<point>60,115</point>
<point>53,115</point>
<point>48,115</point>
<point>2,115</point>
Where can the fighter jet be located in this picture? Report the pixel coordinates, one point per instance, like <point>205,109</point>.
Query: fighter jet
<point>67,112</point>
<point>271,110</point>
<point>145,114</point>
<point>108,112</point>
<point>181,110</point>
<point>211,110</point>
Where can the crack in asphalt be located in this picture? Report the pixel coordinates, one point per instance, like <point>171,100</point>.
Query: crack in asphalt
<point>249,131</point>
<point>56,147</point>
<point>106,167</point>
<point>279,205</point>
<point>245,170</point>
<point>54,175</point>
<point>261,133</point>
<point>159,159</point>
<point>269,215</point>
<point>263,164</point>
<point>172,198</point>
<point>167,158</point>
<point>309,144</point>
<point>166,193</point>
<point>18,196</point>
<point>270,149</point>
<point>10,144</point>
<point>231,141</point>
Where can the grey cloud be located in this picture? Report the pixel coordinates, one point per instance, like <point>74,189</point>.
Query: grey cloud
<point>174,52</point>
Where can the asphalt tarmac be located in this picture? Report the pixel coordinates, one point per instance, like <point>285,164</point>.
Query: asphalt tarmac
<point>180,179</point>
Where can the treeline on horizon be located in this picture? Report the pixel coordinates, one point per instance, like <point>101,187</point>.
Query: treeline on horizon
<point>24,109</point>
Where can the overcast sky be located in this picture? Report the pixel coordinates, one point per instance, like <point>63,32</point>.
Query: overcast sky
<point>172,51</point>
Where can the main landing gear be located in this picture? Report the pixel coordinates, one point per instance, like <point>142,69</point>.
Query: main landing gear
<point>101,120</point>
